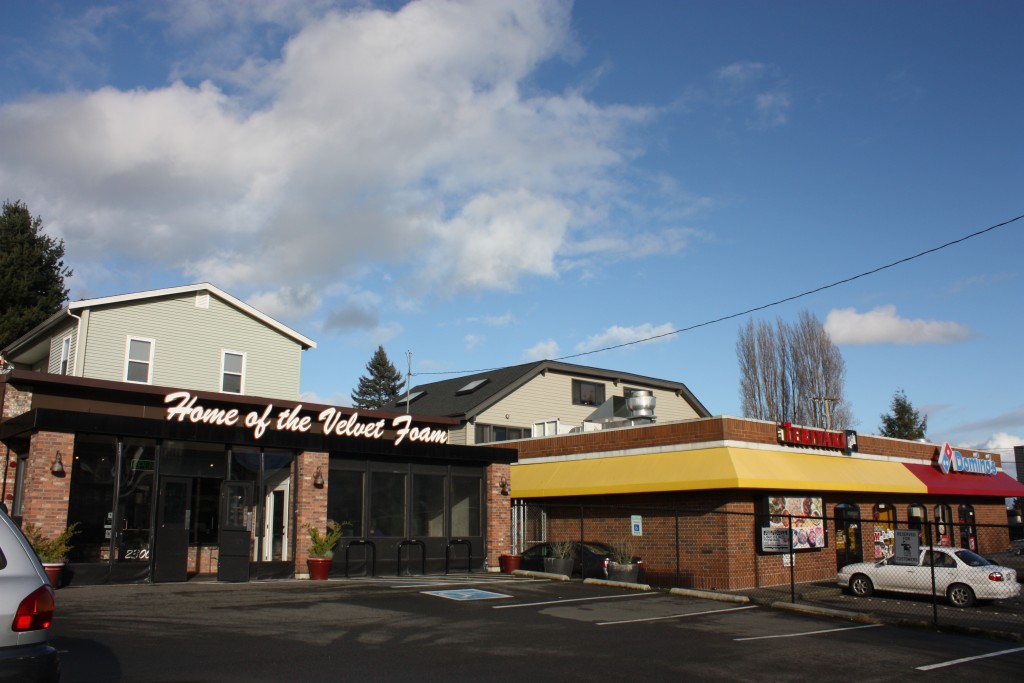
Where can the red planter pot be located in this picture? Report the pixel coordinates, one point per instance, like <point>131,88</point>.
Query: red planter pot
<point>53,572</point>
<point>319,568</point>
<point>509,563</point>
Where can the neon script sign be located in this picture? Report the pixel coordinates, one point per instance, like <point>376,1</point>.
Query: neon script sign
<point>955,461</point>
<point>334,422</point>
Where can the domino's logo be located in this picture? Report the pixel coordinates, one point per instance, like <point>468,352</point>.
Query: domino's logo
<point>946,458</point>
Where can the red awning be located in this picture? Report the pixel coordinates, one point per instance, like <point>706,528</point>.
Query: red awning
<point>1001,485</point>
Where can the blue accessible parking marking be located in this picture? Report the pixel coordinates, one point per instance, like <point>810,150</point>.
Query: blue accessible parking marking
<point>467,594</point>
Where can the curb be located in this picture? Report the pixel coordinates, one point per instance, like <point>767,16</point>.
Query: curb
<point>826,612</point>
<point>540,575</point>
<point>618,584</point>
<point>709,595</point>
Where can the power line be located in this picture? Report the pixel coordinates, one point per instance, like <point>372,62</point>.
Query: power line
<point>763,306</point>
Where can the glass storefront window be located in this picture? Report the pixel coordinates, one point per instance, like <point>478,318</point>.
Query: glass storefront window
<point>91,498</point>
<point>428,504</point>
<point>134,500</point>
<point>387,504</point>
<point>884,515</point>
<point>345,500</point>
<point>943,525</point>
<point>917,518</point>
<point>465,506</point>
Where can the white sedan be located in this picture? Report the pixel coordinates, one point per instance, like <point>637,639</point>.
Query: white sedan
<point>961,575</point>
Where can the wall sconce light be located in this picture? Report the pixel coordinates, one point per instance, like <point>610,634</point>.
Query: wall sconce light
<point>57,468</point>
<point>503,485</point>
<point>318,479</point>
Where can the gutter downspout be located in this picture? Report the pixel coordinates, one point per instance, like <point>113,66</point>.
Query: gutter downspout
<point>78,342</point>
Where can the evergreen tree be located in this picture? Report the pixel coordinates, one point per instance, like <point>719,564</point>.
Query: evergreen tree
<point>383,386</point>
<point>903,422</point>
<point>32,273</point>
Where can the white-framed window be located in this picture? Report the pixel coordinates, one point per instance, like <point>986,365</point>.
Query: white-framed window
<point>138,365</point>
<point>232,374</point>
<point>65,355</point>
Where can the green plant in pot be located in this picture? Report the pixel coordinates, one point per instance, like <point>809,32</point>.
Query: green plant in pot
<point>51,550</point>
<point>625,566</point>
<point>562,555</point>
<point>321,549</point>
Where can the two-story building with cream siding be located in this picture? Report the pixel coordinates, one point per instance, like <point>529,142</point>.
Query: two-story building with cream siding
<point>545,398</point>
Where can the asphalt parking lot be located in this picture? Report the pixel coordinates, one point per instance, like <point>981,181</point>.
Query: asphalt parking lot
<point>490,627</point>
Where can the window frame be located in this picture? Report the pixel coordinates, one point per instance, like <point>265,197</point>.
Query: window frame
<point>148,362</point>
<point>224,372</point>
<point>65,354</point>
<point>600,395</point>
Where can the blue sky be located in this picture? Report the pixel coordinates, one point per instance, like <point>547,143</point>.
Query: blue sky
<point>488,183</point>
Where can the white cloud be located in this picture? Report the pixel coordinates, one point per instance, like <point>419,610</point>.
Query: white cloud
<point>401,138</point>
<point>617,335</point>
<point>472,341</point>
<point>543,350</point>
<point>883,325</point>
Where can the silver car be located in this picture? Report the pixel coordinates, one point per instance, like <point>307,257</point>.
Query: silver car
<point>961,575</point>
<point>26,611</point>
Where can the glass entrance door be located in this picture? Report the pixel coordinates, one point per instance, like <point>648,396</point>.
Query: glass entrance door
<point>174,517</point>
<point>848,546</point>
<point>235,530</point>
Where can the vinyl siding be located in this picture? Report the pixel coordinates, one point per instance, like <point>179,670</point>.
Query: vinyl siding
<point>56,344</point>
<point>549,396</point>
<point>189,344</point>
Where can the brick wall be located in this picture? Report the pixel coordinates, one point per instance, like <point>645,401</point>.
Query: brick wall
<point>14,401</point>
<point>499,515</point>
<point>310,505</point>
<point>46,495</point>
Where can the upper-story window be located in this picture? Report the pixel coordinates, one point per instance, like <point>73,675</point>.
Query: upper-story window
<point>65,355</point>
<point>139,363</point>
<point>233,374</point>
<point>587,393</point>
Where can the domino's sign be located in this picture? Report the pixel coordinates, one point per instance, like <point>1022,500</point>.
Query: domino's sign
<point>954,461</point>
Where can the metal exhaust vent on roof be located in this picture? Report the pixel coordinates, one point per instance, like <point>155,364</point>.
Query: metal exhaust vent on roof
<point>640,403</point>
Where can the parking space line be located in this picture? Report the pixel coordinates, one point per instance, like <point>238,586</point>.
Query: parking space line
<point>560,602</point>
<point>809,633</point>
<point>675,616</point>
<point>460,583</point>
<point>953,662</point>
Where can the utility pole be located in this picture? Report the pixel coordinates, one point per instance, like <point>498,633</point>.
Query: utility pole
<point>828,401</point>
<point>408,379</point>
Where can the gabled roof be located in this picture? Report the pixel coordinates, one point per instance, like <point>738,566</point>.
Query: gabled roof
<point>459,397</point>
<point>32,337</point>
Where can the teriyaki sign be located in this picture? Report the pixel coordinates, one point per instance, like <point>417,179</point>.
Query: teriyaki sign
<point>950,460</point>
<point>333,421</point>
<point>845,441</point>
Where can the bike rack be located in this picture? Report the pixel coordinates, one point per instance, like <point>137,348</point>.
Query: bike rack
<point>423,555</point>
<point>469,554</point>
<point>373,555</point>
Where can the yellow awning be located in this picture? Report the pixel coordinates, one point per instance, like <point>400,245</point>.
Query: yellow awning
<point>722,467</point>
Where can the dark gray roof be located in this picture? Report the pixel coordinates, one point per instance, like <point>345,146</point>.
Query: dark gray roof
<point>444,398</point>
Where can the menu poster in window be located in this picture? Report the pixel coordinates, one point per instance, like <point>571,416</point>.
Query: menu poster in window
<point>805,513</point>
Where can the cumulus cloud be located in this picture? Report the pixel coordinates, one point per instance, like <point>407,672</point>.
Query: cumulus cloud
<point>542,350</point>
<point>883,325</point>
<point>617,335</point>
<point>371,137</point>
<point>472,341</point>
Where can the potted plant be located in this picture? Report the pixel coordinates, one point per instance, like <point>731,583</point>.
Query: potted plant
<point>562,555</point>
<point>625,566</point>
<point>52,551</point>
<point>321,549</point>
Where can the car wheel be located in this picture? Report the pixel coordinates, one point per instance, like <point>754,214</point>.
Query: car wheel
<point>960,595</point>
<point>861,586</point>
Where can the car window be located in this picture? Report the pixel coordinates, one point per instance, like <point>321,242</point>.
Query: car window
<point>972,559</point>
<point>598,548</point>
<point>3,560</point>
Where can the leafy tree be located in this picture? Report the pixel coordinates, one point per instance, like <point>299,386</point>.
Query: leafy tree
<point>903,422</point>
<point>792,373</point>
<point>32,273</point>
<point>382,387</point>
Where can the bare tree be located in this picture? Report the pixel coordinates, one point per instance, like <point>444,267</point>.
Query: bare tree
<point>792,373</point>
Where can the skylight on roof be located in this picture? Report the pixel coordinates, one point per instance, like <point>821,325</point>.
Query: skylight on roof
<point>472,386</point>
<point>412,397</point>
